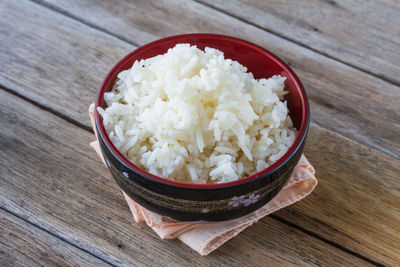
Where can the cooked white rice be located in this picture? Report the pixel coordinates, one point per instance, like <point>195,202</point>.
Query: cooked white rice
<point>192,116</point>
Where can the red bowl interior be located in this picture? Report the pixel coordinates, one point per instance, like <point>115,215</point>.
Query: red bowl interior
<point>260,62</point>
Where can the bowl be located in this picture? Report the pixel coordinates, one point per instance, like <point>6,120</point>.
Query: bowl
<point>208,202</point>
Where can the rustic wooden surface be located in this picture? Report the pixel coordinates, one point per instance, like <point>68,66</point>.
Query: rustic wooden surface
<point>60,206</point>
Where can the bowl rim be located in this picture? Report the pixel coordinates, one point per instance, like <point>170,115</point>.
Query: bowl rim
<point>259,175</point>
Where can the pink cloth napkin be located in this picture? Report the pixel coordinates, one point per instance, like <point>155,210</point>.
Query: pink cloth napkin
<point>205,238</point>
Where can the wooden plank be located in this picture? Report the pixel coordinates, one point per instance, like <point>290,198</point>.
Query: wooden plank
<point>58,62</point>
<point>364,34</point>
<point>51,178</point>
<point>22,244</point>
<point>357,200</point>
<point>343,99</point>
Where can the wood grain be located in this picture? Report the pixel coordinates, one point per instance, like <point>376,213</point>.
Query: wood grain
<point>51,178</point>
<point>22,244</point>
<point>364,34</point>
<point>343,99</point>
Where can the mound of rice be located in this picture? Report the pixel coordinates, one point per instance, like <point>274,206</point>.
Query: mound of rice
<point>192,116</point>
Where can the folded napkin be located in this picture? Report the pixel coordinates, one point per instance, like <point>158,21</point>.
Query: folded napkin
<point>204,238</point>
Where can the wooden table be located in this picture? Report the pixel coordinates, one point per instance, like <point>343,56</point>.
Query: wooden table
<point>60,206</point>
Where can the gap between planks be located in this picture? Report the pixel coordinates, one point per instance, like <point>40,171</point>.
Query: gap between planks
<point>57,236</point>
<point>334,244</point>
<point>87,23</point>
<point>48,109</point>
<point>88,129</point>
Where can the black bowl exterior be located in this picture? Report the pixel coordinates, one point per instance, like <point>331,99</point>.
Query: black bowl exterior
<point>200,204</point>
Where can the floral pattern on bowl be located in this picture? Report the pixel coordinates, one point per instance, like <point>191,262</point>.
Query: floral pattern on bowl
<point>236,201</point>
